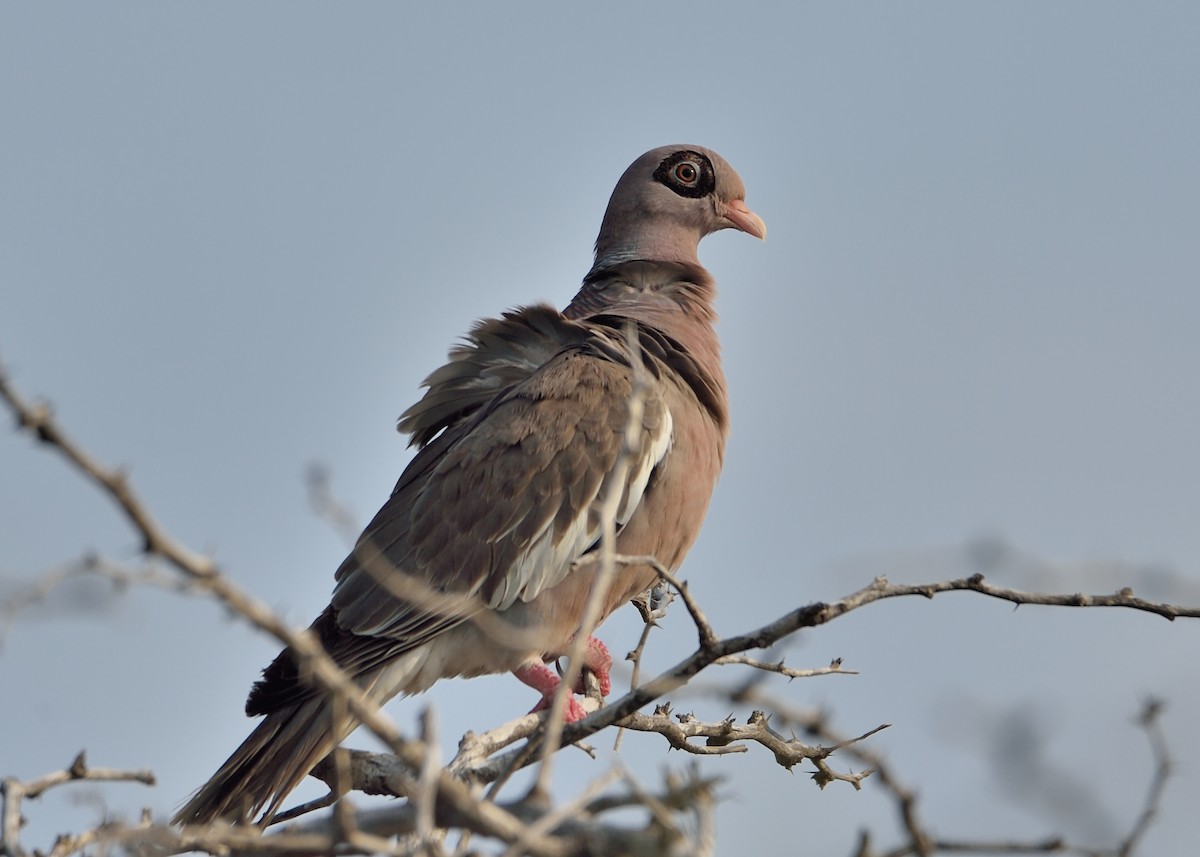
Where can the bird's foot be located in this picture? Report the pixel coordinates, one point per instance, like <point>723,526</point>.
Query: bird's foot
<point>572,712</point>
<point>596,659</point>
<point>544,680</point>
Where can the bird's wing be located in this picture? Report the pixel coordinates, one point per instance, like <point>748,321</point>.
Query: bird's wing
<point>497,354</point>
<point>500,505</point>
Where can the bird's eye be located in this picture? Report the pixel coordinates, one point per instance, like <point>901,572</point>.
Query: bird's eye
<point>687,172</point>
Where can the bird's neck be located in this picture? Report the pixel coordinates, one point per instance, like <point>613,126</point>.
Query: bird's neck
<point>646,289</point>
<point>675,298</point>
<point>662,240</point>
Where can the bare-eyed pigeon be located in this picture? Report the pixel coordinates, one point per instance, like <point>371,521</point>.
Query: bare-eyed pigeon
<point>471,565</point>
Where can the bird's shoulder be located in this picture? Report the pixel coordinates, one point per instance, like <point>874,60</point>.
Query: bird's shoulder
<point>496,355</point>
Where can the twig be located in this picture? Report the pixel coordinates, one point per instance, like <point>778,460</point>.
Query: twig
<point>575,809</point>
<point>323,671</point>
<point>14,792</point>
<point>834,668</point>
<point>618,478</point>
<point>645,604</point>
<point>820,613</point>
<point>327,506</point>
<point>426,796</point>
<point>976,583</point>
<point>703,628</point>
<point>1149,721</point>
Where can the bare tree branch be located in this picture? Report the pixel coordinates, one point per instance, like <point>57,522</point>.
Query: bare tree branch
<point>834,668</point>
<point>14,792</point>
<point>39,421</point>
<point>447,797</point>
<point>1149,721</point>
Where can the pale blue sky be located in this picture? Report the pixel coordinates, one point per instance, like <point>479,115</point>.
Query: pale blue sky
<point>233,239</point>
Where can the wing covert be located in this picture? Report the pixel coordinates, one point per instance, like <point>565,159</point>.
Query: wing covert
<point>498,506</point>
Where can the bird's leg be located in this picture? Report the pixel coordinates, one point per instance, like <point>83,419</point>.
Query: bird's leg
<point>542,679</point>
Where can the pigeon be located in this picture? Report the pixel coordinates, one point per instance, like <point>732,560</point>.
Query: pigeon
<point>476,564</point>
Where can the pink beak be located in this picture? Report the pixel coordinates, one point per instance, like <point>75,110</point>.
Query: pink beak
<point>745,219</point>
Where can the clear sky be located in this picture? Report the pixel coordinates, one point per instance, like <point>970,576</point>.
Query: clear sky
<point>234,238</point>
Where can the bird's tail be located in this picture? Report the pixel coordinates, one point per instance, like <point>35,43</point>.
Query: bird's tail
<point>275,759</point>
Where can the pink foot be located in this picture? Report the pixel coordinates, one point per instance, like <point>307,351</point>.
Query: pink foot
<point>544,680</point>
<point>597,659</point>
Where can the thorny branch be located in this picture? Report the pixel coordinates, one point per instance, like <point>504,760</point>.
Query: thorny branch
<point>651,605</point>
<point>921,840</point>
<point>14,792</point>
<point>444,796</point>
<point>157,542</point>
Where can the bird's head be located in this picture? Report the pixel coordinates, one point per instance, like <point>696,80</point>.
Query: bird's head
<point>669,199</point>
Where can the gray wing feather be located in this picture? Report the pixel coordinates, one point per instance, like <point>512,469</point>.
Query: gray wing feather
<point>496,355</point>
<point>500,504</point>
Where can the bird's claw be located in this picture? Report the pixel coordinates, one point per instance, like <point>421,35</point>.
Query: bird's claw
<point>598,661</point>
<point>572,710</point>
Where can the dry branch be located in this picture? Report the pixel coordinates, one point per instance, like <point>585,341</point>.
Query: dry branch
<point>446,797</point>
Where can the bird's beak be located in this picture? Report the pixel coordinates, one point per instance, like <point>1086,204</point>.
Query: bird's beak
<point>744,219</point>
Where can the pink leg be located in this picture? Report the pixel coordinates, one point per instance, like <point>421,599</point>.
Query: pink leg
<point>545,681</point>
